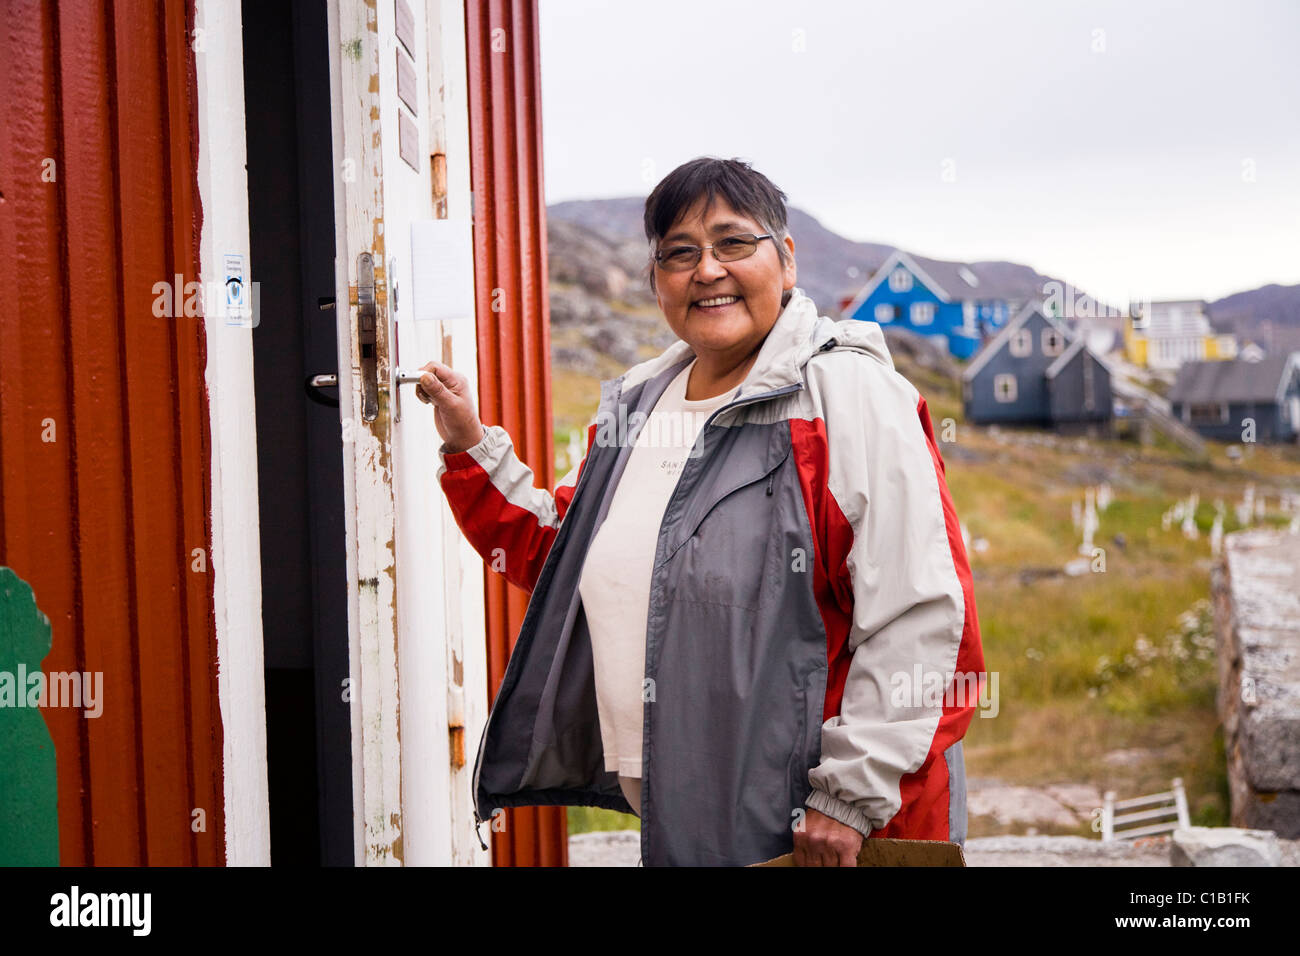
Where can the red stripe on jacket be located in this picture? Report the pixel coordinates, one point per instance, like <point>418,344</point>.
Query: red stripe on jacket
<point>508,537</point>
<point>925,793</point>
<point>923,814</point>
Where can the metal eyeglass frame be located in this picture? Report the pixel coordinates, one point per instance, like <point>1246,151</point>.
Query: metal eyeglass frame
<point>699,251</point>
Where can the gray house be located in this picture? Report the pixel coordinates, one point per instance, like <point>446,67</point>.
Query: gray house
<point>1036,372</point>
<point>1221,399</point>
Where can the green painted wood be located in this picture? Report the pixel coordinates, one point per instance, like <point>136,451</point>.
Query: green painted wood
<point>29,797</point>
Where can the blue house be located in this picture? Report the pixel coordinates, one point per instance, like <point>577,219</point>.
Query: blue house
<point>1036,372</point>
<point>933,298</point>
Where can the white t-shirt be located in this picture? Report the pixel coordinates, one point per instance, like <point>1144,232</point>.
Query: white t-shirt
<point>615,581</point>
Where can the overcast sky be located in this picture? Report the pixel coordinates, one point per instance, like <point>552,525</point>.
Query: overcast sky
<point>1137,148</point>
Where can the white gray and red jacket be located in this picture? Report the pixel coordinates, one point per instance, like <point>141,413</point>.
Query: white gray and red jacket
<point>809,567</point>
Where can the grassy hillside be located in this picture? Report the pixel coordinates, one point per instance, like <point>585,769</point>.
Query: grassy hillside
<point>1107,678</point>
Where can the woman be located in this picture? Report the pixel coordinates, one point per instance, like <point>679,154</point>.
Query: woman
<point>721,622</point>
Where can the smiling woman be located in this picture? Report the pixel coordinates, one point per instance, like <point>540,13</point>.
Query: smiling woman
<point>718,284</point>
<point>711,617</point>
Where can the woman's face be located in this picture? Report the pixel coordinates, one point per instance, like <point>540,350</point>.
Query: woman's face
<point>732,331</point>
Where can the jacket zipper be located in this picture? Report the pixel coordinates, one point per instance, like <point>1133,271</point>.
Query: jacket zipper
<point>749,401</point>
<point>482,743</point>
<point>645,763</point>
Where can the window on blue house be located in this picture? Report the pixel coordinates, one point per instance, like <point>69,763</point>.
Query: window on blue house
<point>884,313</point>
<point>1022,343</point>
<point>922,313</point>
<point>1053,342</point>
<point>900,280</point>
<point>1004,387</point>
<point>1208,413</point>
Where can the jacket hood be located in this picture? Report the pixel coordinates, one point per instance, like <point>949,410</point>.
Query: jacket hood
<point>799,333</point>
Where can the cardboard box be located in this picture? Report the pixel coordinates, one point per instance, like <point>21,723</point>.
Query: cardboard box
<point>885,851</point>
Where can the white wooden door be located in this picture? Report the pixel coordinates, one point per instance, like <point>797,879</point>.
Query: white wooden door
<point>418,667</point>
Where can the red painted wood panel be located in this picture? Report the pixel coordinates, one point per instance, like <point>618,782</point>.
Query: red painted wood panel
<point>103,520</point>
<point>513,344</point>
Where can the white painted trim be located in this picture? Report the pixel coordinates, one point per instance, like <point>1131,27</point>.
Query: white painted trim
<point>940,292</point>
<point>1060,345</point>
<point>423,615</point>
<point>1292,364</point>
<point>466,611</point>
<point>358,124</point>
<point>1021,344</point>
<point>898,256</point>
<point>1065,357</point>
<point>1012,393</point>
<point>1004,334</point>
<point>877,277</point>
<point>905,283</point>
<point>236,545</point>
<point>346,386</point>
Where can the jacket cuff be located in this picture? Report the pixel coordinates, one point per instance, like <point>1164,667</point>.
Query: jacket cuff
<point>493,437</point>
<point>837,809</point>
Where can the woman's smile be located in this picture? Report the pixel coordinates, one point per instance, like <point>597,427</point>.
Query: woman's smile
<point>717,303</point>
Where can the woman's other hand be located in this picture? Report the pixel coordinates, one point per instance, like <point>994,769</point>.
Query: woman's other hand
<point>453,406</point>
<point>825,841</point>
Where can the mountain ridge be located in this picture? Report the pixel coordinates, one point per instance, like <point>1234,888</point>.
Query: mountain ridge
<point>832,267</point>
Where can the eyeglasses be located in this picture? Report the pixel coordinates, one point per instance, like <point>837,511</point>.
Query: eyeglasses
<point>682,258</point>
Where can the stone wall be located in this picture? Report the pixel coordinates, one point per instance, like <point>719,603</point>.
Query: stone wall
<point>1256,593</point>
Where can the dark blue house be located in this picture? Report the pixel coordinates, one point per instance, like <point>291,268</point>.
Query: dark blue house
<point>934,298</point>
<point>1036,372</point>
<point>1230,400</point>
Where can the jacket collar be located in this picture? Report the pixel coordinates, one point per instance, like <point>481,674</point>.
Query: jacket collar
<point>799,332</point>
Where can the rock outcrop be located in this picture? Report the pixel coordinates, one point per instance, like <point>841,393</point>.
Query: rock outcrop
<point>1256,587</point>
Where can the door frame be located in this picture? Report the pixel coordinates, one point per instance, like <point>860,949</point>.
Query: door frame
<point>236,541</point>
<point>441,636</point>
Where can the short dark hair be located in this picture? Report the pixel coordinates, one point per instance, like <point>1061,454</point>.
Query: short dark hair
<point>746,190</point>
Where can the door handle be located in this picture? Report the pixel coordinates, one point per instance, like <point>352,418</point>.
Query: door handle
<point>315,383</point>
<point>403,376</point>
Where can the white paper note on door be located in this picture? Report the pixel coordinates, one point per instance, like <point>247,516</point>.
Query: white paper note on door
<point>442,270</point>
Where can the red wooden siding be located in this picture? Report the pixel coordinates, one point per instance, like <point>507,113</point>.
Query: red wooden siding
<point>514,344</point>
<point>102,522</point>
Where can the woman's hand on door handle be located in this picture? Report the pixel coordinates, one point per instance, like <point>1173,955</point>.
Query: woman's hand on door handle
<point>453,406</point>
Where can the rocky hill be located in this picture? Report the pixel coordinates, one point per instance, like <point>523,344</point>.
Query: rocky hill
<point>1269,316</point>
